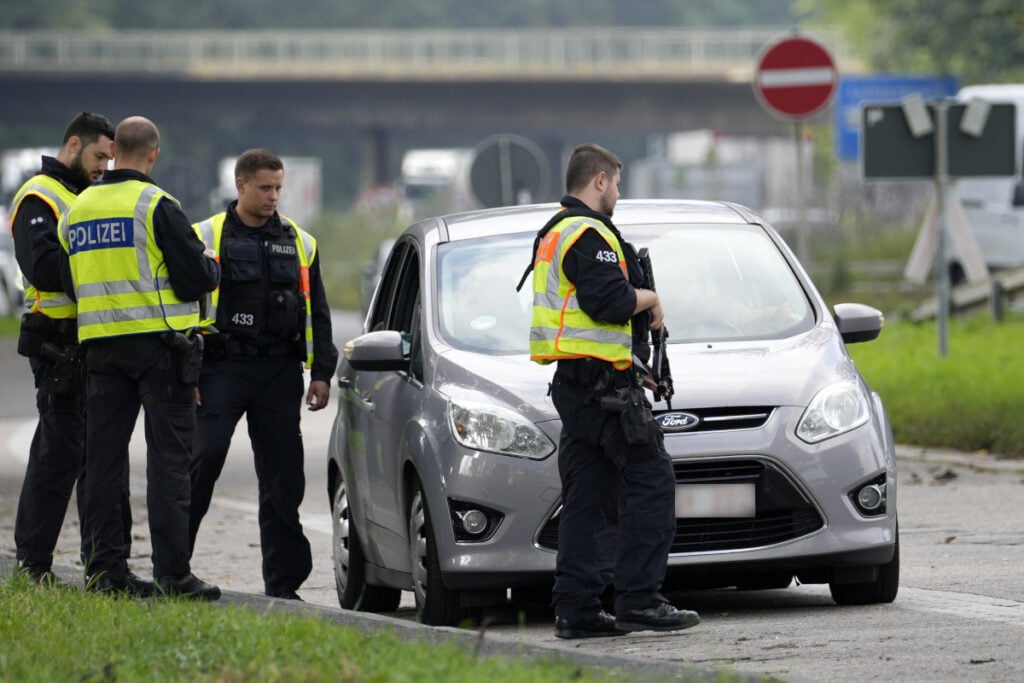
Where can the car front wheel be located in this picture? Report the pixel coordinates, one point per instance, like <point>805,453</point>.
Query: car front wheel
<point>882,589</point>
<point>350,564</point>
<point>435,604</point>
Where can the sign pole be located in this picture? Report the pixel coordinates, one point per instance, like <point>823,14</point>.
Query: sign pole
<point>802,237</point>
<point>795,79</point>
<point>942,203</point>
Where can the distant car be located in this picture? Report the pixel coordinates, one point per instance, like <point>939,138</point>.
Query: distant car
<point>12,293</point>
<point>442,469</point>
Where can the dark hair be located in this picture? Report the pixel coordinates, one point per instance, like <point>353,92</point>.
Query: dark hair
<point>585,162</point>
<point>88,128</point>
<point>254,160</point>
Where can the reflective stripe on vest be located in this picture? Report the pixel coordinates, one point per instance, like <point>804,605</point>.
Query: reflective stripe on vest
<point>210,232</point>
<point>58,198</point>
<point>116,263</point>
<point>560,328</point>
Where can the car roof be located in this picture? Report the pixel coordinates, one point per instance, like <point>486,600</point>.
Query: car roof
<point>530,218</point>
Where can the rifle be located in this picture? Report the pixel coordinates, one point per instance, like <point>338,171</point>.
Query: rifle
<point>660,371</point>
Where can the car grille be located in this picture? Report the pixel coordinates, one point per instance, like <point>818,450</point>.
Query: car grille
<point>783,512</point>
<point>721,419</point>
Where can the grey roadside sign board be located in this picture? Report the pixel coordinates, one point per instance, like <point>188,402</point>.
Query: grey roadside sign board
<point>891,151</point>
<point>943,141</point>
<point>507,170</point>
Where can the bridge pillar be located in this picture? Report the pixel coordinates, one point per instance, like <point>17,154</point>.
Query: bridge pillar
<point>376,159</point>
<point>552,148</point>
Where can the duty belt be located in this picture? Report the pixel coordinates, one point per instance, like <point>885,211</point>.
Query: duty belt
<point>581,372</point>
<point>243,348</point>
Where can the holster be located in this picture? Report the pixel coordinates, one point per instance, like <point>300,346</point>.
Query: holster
<point>35,331</point>
<point>188,353</point>
<point>634,414</point>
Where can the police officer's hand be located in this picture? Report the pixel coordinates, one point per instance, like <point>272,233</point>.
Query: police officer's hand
<point>647,300</point>
<point>319,392</point>
<point>657,317</point>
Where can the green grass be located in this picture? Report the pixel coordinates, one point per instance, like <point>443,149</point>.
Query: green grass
<point>10,325</point>
<point>970,399</point>
<point>66,635</point>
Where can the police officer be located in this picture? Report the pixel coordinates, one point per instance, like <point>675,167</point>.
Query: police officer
<point>618,489</point>
<point>138,270</point>
<point>50,340</point>
<point>269,316</point>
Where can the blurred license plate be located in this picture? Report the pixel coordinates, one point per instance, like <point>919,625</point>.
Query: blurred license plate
<point>715,500</point>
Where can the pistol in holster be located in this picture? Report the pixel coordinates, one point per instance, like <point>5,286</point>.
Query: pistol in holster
<point>188,353</point>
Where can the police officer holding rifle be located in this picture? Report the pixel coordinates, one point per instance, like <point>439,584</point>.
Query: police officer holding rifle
<point>591,316</point>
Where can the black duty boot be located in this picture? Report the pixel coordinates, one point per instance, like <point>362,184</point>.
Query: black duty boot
<point>187,586</point>
<point>600,625</point>
<point>659,617</point>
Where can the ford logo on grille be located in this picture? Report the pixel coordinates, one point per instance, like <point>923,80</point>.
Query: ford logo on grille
<point>677,422</point>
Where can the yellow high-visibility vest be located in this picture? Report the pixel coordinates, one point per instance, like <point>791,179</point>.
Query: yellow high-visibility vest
<point>560,328</point>
<point>57,305</point>
<point>210,232</point>
<point>119,271</point>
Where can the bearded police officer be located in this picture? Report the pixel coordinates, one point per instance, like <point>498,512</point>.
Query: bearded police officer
<point>269,316</point>
<point>138,271</point>
<point>49,338</point>
<point>618,489</point>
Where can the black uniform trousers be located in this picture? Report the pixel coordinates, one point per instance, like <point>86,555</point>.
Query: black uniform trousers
<point>56,460</point>
<point>124,374</point>
<point>618,518</point>
<point>268,390</point>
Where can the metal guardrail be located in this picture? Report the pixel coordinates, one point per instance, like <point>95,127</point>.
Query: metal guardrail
<point>591,54</point>
<point>993,293</point>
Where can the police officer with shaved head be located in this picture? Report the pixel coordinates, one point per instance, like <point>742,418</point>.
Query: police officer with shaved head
<point>138,271</point>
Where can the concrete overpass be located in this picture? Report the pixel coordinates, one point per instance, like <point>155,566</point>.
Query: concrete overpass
<point>382,90</point>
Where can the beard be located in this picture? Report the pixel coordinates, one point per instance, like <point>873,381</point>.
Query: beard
<point>607,205</point>
<point>78,172</point>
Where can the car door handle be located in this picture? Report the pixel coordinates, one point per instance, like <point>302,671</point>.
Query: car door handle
<point>344,382</point>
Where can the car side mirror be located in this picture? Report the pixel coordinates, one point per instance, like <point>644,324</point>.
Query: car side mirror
<point>857,322</point>
<point>378,351</point>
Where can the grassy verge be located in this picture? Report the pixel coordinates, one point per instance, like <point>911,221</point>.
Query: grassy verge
<point>65,635</point>
<point>969,399</point>
<point>10,325</point>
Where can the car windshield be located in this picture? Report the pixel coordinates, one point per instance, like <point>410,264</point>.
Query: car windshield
<point>716,283</point>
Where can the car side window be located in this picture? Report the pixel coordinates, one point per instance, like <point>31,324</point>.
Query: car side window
<point>386,290</point>
<point>416,351</point>
<point>407,294</point>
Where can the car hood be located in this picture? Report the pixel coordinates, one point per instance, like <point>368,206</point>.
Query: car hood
<point>514,381</point>
<point>714,374</point>
<point>786,372</point>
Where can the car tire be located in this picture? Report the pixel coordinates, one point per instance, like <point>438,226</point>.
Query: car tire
<point>436,605</point>
<point>883,589</point>
<point>350,563</point>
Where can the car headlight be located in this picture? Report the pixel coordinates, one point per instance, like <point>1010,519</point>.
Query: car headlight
<point>836,409</point>
<point>492,428</point>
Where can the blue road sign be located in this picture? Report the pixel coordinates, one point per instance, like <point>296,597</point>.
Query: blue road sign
<point>876,89</point>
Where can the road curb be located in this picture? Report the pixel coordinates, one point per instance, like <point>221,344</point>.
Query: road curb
<point>480,643</point>
<point>980,461</point>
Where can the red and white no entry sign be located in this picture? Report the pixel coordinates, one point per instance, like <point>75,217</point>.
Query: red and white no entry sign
<point>795,78</point>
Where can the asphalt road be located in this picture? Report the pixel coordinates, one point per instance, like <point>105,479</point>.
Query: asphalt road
<point>959,614</point>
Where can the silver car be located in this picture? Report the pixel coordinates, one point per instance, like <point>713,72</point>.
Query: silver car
<point>442,473</point>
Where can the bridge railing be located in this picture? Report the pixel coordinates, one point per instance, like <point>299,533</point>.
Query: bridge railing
<point>598,53</point>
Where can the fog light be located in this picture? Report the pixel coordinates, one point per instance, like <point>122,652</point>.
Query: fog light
<point>474,522</point>
<point>871,497</point>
